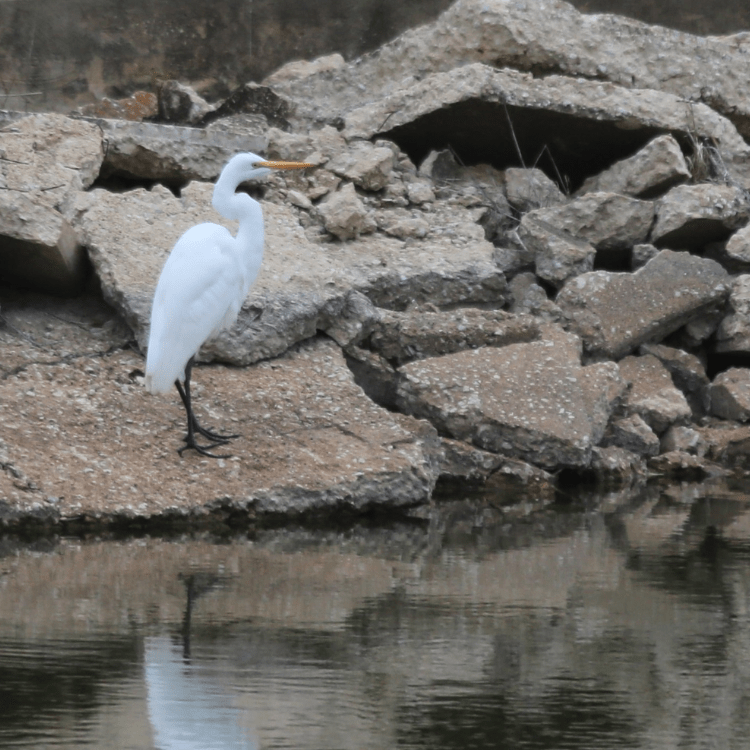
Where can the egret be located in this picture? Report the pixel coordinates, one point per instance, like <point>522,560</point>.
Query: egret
<point>202,287</point>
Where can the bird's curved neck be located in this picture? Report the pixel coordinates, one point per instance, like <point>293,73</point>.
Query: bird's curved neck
<point>241,207</point>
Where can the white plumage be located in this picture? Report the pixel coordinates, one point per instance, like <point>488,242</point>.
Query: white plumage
<point>203,285</point>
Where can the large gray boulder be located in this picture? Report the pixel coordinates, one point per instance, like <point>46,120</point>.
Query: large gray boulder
<point>508,117</point>
<point>530,401</point>
<point>552,37</point>
<point>170,153</point>
<point>46,160</point>
<point>614,313</point>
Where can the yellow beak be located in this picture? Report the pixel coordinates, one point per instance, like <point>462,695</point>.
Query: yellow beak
<point>283,164</point>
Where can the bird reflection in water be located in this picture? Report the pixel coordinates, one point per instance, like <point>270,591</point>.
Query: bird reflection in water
<point>188,707</point>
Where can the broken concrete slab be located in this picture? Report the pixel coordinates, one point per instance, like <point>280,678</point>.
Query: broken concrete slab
<point>550,38</point>
<point>652,395</point>
<point>688,372</point>
<point>729,395</point>
<point>303,286</point>
<point>169,153</point>
<point>605,220</point>
<point>614,313</point>
<point>690,216</point>
<point>46,160</point>
<point>657,167</point>
<point>530,401</point>
<point>311,442</point>
<point>506,118</point>
<point>403,337</point>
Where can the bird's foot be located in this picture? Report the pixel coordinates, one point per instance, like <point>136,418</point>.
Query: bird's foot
<point>204,450</point>
<point>210,434</point>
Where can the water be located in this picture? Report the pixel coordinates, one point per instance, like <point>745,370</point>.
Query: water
<point>623,623</point>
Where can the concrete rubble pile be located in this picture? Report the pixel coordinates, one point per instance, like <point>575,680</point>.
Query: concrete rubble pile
<point>524,250</point>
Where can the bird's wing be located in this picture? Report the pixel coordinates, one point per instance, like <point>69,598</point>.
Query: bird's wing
<point>199,292</point>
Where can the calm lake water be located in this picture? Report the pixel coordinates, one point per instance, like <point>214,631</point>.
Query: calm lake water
<point>620,621</point>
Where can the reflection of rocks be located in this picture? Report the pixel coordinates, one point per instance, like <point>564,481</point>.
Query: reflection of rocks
<point>463,209</point>
<point>473,599</point>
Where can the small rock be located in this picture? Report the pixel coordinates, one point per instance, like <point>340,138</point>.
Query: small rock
<point>344,214</point>
<point>733,334</point>
<point>365,165</point>
<point>691,216</point>
<point>420,192</point>
<point>685,439</point>
<point>653,170</point>
<point>558,255</point>
<point>652,393</point>
<point>181,104</point>
<point>729,395</point>
<point>642,254</point>
<point>687,371</point>
<point>529,189</point>
<point>634,435</point>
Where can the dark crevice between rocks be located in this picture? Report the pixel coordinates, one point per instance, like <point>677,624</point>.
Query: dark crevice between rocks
<point>123,182</point>
<point>28,266</point>
<point>718,362</point>
<point>566,147</point>
<point>617,260</point>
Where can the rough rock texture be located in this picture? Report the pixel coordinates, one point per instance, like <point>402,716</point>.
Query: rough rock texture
<point>606,220</point>
<point>172,154</point>
<point>691,216</point>
<point>530,401</point>
<point>733,334</point>
<point>729,395</point>
<point>435,262</point>
<point>652,395</point>
<point>498,109</point>
<point>633,434</point>
<point>558,255</point>
<point>181,104</point>
<point>46,160</point>
<point>549,37</point>
<point>527,189</point>
<point>616,312</point>
<point>303,287</point>
<point>653,170</point>
<point>402,337</point>
<point>310,441</point>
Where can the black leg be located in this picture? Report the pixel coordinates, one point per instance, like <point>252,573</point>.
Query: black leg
<point>192,423</point>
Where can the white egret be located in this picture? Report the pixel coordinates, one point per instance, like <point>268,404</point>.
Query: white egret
<point>203,285</point>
